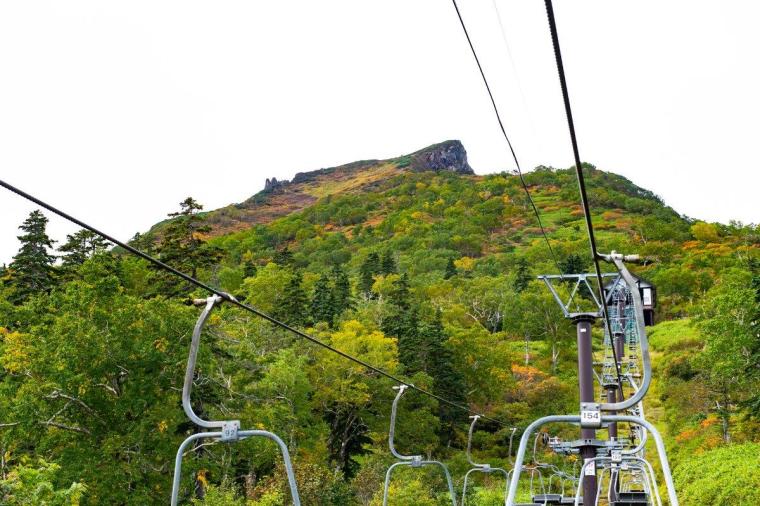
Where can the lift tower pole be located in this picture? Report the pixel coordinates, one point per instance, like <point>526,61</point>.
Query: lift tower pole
<point>588,445</point>
<point>583,324</point>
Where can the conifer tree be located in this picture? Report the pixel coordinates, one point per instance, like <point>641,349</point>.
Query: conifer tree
<point>402,322</point>
<point>249,269</point>
<point>322,302</point>
<point>32,269</point>
<point>387,264</point>
<point>367,272</point>
<point>341,291</point>
<point>522,276</point>
<point>400,294</point>
<point>182,247</point>
<point>292,307</point>
<point>451,269</point>
<point>249,266</point>
<point>448,382</point>
<point>79,247</point>
<point>283,257</point>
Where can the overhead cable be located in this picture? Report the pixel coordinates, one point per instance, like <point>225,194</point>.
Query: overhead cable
<point>579,173</point>
<point>506,137</point>
<point>239,304</point>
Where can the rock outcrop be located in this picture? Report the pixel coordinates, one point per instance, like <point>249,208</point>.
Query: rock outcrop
<point>446,156</point>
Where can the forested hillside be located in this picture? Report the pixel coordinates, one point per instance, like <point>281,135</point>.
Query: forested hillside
<point>414,264</point>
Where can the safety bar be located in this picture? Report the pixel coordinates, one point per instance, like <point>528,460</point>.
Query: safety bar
<point>392,431</point>
<point>474,419</point>
<point>576,419</point>
<point>243,434</point>
<point>645,467</point>
<point>187,388</point>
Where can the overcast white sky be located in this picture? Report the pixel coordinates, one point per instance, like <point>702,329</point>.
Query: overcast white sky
<point>116,111</point>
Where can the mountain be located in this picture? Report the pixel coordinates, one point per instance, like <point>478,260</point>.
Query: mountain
<point>415,265</point>
<point>280,198</point>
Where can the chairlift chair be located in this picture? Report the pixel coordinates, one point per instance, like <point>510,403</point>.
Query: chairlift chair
<point>227,431</point>
<point>414,461</point>
<point>481,468</point>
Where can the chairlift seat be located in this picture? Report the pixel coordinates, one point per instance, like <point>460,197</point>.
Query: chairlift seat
<point>548,499</point>
<point>631,498</point>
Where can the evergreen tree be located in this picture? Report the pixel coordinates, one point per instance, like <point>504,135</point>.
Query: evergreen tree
<point>183,248</point>
<point>448,382</point>
<point>32,269</point>
<point>292,308</point>
<point>387,264</point>
<point>451,269</point>
<point>143,242</point>
<point>283,257</point>
<point>573,264</point>
<point>367,272</point>
<point>522,275</point>
<point>249,266</point>
<point>322,302</point>
<point>341,291</point>
<point>79,247</point>
<point>249,269</point>
<point>400,294</point>
<point>402,322</point>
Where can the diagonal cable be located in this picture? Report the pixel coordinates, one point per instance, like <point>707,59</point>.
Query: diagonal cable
<point>241,305</point>
<point>581,181</point>
<point>506,137</point>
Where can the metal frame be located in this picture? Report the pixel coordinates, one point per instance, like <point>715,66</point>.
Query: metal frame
<point>482,468</point>
<point>576,419</point>
<point>641,464</point>
<point>414,461</point>
<point>579,280</point>
<point>229,432</point>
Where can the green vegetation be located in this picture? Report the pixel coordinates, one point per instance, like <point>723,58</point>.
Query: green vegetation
<point>429,275</point>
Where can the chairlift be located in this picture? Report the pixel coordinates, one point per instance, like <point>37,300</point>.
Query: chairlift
<point>414,461</point>
<point>227,431</point>
<point>481,468</point>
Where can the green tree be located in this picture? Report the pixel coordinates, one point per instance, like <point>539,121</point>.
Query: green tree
<point>730,361</point>
<point>402,322</point>
<point>79,247</point>
<point>283,256</point>
<point>32,270</point>
<point>522,275</point>
<point>348,394</point>
<point>27,484</point>
<point>341,291</point>
<point>451,269</point>
<point>93,376</point>
<point>322,302</point>
<point>387,264</point>
<point>183,247</point>
<point>448,382</point>
<point>292,307</point>
<point>369,269</point>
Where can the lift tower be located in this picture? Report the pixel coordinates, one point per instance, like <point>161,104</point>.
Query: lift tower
<point>590,414</point>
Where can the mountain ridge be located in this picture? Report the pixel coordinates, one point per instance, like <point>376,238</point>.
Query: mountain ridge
<point>282,197</point>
